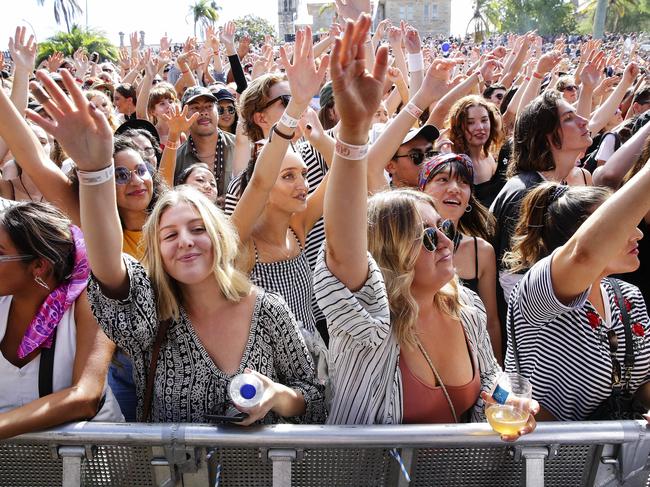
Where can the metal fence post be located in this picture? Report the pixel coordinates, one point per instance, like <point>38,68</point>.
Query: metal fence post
<point>72,456</point>
<point>282,459</point>
<point>535,457</point>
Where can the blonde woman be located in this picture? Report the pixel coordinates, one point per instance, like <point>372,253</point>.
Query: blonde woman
<point>219,325</point>
<point>409,345</point>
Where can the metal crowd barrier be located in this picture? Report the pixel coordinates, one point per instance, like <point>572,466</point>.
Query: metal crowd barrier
<point>191,455</point>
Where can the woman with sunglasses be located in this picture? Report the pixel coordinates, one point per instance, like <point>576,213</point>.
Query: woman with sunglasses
<point>567,86</point>
<point>476,130</point>
<point>137,187</point>
<point>227,110</point>
<point>208,321</point>
<point>54,356</point>
<point>448,180</point>
<point>566,323</point>
<point>409,344</point>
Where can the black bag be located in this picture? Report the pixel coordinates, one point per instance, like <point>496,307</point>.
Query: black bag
<point>621,403</point>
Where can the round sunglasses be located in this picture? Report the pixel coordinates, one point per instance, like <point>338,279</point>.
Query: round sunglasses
<point>430,238</point>
<point>124,175</point>
<point>229,110</point>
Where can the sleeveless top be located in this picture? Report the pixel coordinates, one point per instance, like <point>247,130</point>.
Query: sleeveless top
<point>19,385</point>
<point>291,279</point>
<point>426,404</point>
<point>473,283</point>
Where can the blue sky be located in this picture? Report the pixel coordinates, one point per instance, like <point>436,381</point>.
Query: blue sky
<point>155,17</point>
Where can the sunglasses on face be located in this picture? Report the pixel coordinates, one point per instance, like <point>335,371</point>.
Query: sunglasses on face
<point>570,88</point>
<point>15,258</point>
<point>430,238</point>
<point>124,175</point>
<point>228,110</point>
<point>417,157</point>
<point>285,99</point>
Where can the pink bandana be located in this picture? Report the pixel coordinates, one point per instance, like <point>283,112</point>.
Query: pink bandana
<point>40,330</point>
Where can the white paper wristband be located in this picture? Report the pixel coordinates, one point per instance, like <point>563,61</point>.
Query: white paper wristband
<point>93,178</point>
<point>416,62</point>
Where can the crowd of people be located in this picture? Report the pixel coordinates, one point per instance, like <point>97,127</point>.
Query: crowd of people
<point>373,225</point>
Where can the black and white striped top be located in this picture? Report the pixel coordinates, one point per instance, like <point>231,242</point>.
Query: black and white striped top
<point>364,355</point>
<point>566,358</point>
<point>316,170</point>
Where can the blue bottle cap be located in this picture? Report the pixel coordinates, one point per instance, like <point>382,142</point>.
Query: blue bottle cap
<point>247,391</point>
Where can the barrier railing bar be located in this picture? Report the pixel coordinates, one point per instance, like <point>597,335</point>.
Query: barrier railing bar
<point>332,436</point>
<point>534,457</point>
<point>72,456</point>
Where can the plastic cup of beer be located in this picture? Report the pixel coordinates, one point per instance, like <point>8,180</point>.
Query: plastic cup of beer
<point>509,413</point>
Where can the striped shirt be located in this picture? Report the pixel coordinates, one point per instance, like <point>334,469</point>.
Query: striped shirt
<point>316,170</point>
<point>566,358</point>
<point>364,354</point>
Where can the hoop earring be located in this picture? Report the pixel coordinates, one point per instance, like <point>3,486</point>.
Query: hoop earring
<point>468,209</point>
<point>41,282</point>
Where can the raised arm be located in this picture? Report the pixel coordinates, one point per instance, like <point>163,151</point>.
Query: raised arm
<point>178,123</point>
<point>381,152</point>
<point>614,170</point>
<point>590,79</point>
<point>358,94</point>
<point>84,133</point>
<point>49,179</point>
<point>602,237</point>
<point>544,65</point>
<point>23,55</point>
<point>304,81</point>
<point>606,110</point>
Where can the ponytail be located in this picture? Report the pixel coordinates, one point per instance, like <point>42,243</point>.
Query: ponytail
<point>550,215</point>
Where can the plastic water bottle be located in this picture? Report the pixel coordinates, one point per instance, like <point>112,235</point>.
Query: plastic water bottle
<point>246,390</point>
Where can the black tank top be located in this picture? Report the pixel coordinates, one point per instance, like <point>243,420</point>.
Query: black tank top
<point>473,283</point>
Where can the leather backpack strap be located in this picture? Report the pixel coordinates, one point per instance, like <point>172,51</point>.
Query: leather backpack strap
<point>46,369</point>
<point>160,336</point>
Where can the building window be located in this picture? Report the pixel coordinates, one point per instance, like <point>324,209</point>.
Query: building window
<point>430,11</point>
<point>402,12</point>
<point>410,12</point>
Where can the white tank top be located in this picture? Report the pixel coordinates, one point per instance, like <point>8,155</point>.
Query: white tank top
<point>19,386</point>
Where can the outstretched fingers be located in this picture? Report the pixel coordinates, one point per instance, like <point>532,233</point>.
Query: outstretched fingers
<point>381,64</point>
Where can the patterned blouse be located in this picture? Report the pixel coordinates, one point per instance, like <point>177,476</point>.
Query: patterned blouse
<point>188,384</point>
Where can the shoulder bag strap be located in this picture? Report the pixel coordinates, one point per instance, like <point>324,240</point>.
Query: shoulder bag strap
<point>46,369</point>
<point>160,336</point>
<point>629,346</point>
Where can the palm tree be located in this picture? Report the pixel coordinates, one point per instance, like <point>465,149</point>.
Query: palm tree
<point>615,10</point>
<point>68,42</point>
<point>69,9</point>
<point>204,11</point>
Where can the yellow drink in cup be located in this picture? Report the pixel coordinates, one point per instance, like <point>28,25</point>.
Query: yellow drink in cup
<point>512,394</point>
<point>507,420</point>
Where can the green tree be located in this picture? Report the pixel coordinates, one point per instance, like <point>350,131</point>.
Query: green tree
<point>205,12</point>
<point>547,16</point>
<point>622,15</point>
<point>256,27</point>
<point>68,42</point>
<point>68,9</point>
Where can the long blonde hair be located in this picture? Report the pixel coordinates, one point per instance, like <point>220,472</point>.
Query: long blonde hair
<point>225,244</point>
<point>394,240</point>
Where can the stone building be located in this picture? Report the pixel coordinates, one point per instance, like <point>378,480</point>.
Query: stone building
<point>430,17</point>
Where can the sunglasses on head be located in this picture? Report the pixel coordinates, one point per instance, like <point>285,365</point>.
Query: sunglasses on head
<point>124,175</point>
<point>417,157</point>
<point>285,99</point>
<point>430,238</point>
<point>229,110</point>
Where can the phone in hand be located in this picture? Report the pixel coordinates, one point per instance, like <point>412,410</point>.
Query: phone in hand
<point>225,418</point>
<point>94,57</point>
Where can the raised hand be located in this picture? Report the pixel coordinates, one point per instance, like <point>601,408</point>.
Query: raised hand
<point>54,61</point>
<point>165,43</point>
<point>311,127</point>
<point>411,39</point>
<point>23,53</point>
<point>80,128</point>
<point>590,75</point>
<point>357,92</point>
<point>548,62</point>
<point>244,46</point>
<point>135,43</point>
<point>351,9</point>
<point>489,69</point>
<point>177,119</point>
<point>227,37</point>
<point>81,62</point>
<point>395,37</point>
<point>436,80</point>
<point>631,72</point>
<point>304,79</point>
<point>381,29</point>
